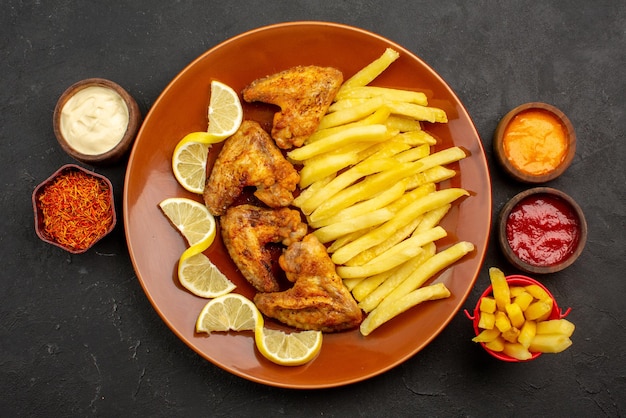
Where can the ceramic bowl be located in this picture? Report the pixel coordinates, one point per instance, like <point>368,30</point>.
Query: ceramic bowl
<point>40,218</point>
<point>509,240</point>
<point>109,155</point>
<point>514,280</point>
<point>525,176</point>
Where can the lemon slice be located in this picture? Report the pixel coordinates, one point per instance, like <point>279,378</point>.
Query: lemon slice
<point>189,166</point>
<point>291,349</point>
<point>225,111</point>
<point>202,278</point>
<point>193,220</point>
<point>190,155</point>
<point>229,312</point>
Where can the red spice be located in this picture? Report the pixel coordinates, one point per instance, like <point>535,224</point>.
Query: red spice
<point>76,210</point>
<point>543,230</point>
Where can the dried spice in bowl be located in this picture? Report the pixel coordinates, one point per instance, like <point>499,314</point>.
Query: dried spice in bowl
<point>74,209</point>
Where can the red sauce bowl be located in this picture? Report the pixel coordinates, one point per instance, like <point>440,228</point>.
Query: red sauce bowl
<point>542,230</point>
<point>39,215</point>
<point>513,280</point>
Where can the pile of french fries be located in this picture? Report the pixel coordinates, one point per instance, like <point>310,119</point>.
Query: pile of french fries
<point>515,320</point>
<point>369,191</point>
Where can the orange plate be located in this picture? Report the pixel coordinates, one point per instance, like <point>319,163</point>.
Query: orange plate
<point>155,245</point>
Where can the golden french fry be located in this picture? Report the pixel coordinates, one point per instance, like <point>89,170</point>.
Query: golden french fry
<point>328,163</point>
<point>385,149</point>
<point>411,196</point>
<point>394,256</point>
<point>517,351</point>
<point>549,343</point>
<point>376,202</point>
<point>371,253</point>
<point>414,154</point>
<point>351,114</point>
<point>311,190</point>
<point>428,269</point>
<point>501,292</point>
<point>367,133</point>
<point>345,179</point>
<point>346,239</point>
<point>377,295</point>
<point>369,187</point>
<point>350,284</point>
<point>368,73</point>
<point>397,95</point>
<point>379,117</point>
<point>404,216</point>
<point>422,113</point>
<point>436,174</point>
<point>334,231</point>
<point>368,284</point>
<point>402,124</point>
<point>556,326</point>
<point>432,218</point>
<point>382,314</point>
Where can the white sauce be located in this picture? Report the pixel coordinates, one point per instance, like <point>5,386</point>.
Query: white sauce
<point>94,120</point>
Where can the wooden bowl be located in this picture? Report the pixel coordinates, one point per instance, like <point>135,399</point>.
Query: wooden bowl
<point>107,155</point>
<point>509,240</point>
<point>518,173</point>
<point>40,217</point>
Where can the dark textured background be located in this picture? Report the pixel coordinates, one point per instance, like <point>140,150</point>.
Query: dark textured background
<point>78,337</point>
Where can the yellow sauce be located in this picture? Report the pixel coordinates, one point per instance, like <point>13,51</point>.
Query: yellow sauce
<point>94,120</point>
<point>535,142</point>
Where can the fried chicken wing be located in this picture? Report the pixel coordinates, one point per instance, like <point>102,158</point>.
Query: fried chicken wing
<point>247,229</point>
<point>318,299</point>
<point>303,94</point>
<point>250,158</point>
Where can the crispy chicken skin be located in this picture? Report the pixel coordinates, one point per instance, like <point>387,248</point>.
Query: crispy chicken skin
<point>246,229</point>
<point>318,299</point>
<point>303,94</point>
<point>250,158</point>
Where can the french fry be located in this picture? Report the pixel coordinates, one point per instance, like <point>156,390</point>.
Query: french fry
<point>368,73</point>
<point>366,220</point>
<point>332,162</point>
<point>371,253</point>
<point>414,154</point>
<point>379,117</point>
<point>500,287</point>
<point>432,218</point>
<point>402,124</point>
<point>363,190</point>
<point>366,285</point>
<point>311,190</point>
<point>382,314</point>
<point>397,95</point>
<point>550,343</point>
<point>428,269</point>
<point>367,133</point>
<point>394,256</point>
<point>376,202</point>
<point>404,216</point>
<point>346,239</point>
<point>436,174</point>
<point>378,294</point>
<point>421,113</point>
<point>345,179</point>
<point>556,326</point>
<point>352,113</point>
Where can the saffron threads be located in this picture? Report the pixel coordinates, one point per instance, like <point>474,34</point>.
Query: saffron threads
<point>77,210</point>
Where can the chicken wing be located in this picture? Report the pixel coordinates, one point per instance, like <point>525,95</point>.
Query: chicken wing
<point>303,94</point>
<point>250,158</point>
<point>247,229</point>
<point>318,299</point>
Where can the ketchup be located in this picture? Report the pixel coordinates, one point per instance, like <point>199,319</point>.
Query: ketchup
<point>542,230</point>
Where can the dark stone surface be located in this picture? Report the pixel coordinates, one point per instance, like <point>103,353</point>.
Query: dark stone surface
<point>78,336</point>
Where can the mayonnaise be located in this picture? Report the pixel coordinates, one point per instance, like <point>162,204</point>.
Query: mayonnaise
<point>94,120</point>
